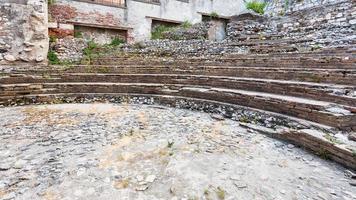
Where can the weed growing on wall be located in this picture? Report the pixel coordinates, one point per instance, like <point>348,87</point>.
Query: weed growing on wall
<point>157,32</point>
<point>51,2</point>
<point>78,34</point>
<point>116,41</point>
<point>214,15</point>
<point>186,24</point>
<point>257,6</point>
<point>53,58</point>
<point>89,52</point>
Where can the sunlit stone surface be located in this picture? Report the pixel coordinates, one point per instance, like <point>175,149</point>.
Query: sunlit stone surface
<point>108,151</point>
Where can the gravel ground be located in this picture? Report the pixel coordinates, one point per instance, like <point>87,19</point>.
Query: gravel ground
<point>108,151</point>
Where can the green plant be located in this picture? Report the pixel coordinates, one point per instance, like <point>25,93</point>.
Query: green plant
<point>256,6</point>
<point>170,144</point>
<point>52,38</point>
<point>186,25</point>
<point>331,138</point>
<point>53,58</point>
<point>51,2</point>
<point>244,119</point>
<point>214,14</point>
<point>206,192</point>
<point>89,51</point>
<point>157,32</point>
<point>324,154</point>
<point>78,34</point>
<point>221,193</point>
<point>286,4</point>
<point>116,41</point>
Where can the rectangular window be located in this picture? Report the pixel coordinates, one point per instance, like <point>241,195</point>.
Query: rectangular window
<point>117,3</point>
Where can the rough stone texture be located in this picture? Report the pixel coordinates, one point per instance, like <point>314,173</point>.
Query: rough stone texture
<point>105,151</point>
<point>183,48</point>
<point>99,35</point>
<point>23,31</point>
<point>305,30</point>
<point>279,7</point>
<point>197,31</point>
<point>310,28</point>
<point>138,15</point>
<point>69,49</point>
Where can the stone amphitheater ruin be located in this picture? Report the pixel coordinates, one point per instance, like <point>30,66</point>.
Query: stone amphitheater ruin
<point>267,113</point>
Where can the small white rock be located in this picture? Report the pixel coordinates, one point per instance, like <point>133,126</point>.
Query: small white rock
<point>150,178</point>
<point>9,58</point>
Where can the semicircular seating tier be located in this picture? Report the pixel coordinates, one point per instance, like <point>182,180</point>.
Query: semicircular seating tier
<point>316,89</point>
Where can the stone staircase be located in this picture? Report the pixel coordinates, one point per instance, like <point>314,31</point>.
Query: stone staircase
<point>315,95</point>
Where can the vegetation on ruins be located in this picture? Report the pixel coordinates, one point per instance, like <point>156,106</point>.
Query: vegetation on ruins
<point>78,34</point>
<point>53,58</point>
<point>186,24</point>
<point>89,51</point>
<point>158,31</point>
<point>94,49</point>
<point>220,193</point>
<point>52,38</point>
<point>116,41</point>
<point>51,2</point>
<point>256,6</point>
<point>214,14</point>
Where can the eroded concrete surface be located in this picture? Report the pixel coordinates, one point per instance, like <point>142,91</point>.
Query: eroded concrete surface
<point>106,151</point>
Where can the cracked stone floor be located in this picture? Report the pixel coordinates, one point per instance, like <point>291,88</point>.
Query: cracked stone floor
<point>108,151</point>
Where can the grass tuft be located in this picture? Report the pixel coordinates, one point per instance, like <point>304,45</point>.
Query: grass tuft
<point>257,6</point>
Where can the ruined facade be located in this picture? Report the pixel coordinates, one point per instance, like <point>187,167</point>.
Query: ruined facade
<point>132,19</point>
<point>27,25</point>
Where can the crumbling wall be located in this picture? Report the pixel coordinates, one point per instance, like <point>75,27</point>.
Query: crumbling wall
<point>23,31</point>
<point>136,17</point>
<point>196,31</point>
<point>329,24</point>
<point>65,15</point>
<point>69,49</point>
<point>309,29</point>
<point>278,7</point>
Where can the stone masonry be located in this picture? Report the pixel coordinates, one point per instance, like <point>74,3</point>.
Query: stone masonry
<point>23,31</point>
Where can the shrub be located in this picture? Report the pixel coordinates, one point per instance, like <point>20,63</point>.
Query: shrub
<point>214,14</point>
<point>158,31</point>
<point>53,58</point>
<point>52,38</point>
<point>51,2</point>
<point>78,34</point>
<point>89,51</point>
<point>116,41</point>
<point>256,6</point>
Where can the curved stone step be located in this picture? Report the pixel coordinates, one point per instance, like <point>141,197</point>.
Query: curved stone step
<point>335,115</point>
<point>339,62</point>
<point>337,76</point>
<point>324,92</point>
